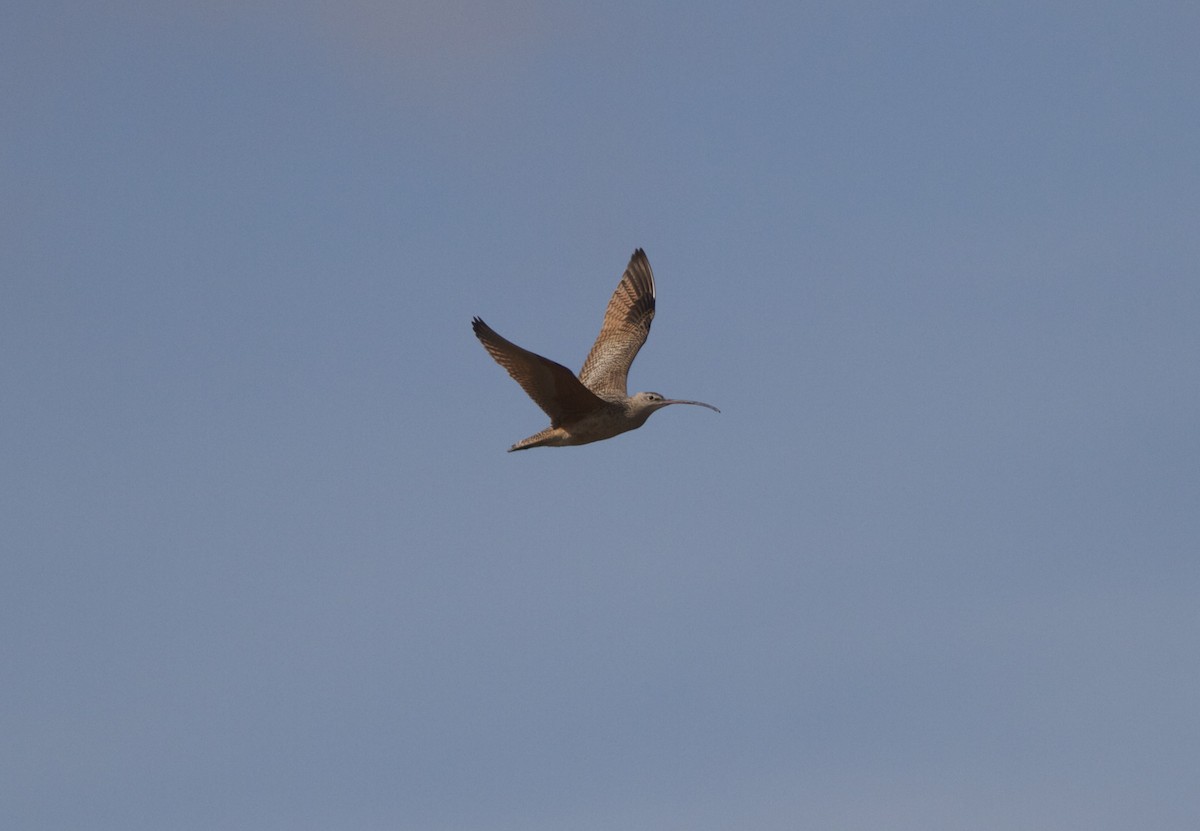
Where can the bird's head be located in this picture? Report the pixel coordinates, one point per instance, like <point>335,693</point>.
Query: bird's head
<point>648,402</point>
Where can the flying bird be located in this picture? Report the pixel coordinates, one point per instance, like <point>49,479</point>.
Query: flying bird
<point>595,405</point>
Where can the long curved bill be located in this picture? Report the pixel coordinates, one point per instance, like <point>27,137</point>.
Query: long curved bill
<point>696,403</point>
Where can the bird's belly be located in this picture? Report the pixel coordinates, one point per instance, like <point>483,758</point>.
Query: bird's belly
<point>597,427</point>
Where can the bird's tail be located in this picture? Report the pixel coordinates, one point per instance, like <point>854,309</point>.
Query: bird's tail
<point>550,437</point>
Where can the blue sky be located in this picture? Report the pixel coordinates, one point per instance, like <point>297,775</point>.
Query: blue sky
<point>268,566</point>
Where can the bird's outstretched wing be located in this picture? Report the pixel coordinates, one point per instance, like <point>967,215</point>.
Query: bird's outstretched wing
<point>551,385</point>
<point>626,325</point>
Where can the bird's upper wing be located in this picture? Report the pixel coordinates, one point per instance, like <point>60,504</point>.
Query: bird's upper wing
<point>626,325</point>
<point>552,386</point>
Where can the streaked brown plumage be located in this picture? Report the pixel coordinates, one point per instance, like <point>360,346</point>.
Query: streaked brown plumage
<point>595,405</point>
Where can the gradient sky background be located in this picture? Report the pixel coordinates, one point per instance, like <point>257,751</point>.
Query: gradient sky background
<point>268,566</point>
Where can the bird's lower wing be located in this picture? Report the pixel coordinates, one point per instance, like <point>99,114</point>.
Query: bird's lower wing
<point>551,385</point>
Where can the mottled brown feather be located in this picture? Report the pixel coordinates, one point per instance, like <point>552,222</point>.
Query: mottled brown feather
<point>551,385</point>
<point>625,328</point>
